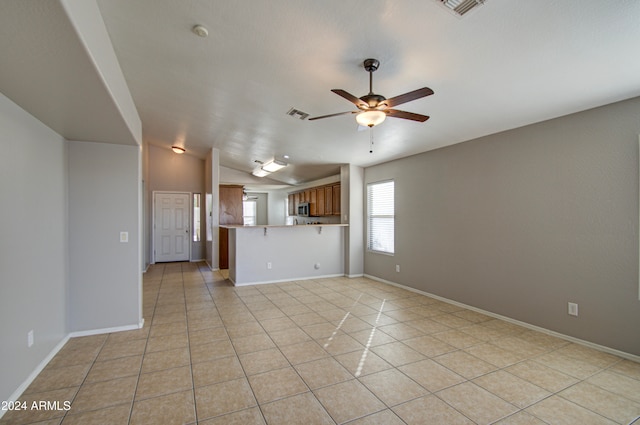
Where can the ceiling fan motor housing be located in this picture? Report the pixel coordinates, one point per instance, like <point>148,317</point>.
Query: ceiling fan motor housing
<point>370,65</point>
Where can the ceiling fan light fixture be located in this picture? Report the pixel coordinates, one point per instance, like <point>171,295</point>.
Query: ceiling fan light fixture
<point>370,118</point>
<point>178,149</point>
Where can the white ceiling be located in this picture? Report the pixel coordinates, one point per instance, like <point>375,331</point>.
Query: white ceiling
<point>506,64</point>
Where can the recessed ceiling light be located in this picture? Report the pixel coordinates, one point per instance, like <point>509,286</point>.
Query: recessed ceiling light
<point>200,31</point>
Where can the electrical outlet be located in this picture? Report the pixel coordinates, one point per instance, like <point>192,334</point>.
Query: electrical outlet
<point>124,237</point>
<point>398,268</point>
<point>30,339</point>
<point>573,309</point>
<point>269,265</point>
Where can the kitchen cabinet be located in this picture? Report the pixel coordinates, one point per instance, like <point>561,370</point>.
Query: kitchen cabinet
<point>320,201</point>
<point>313,210</point>
<point>323,200</point>
<point>230,213</point>
<point>328,200</point>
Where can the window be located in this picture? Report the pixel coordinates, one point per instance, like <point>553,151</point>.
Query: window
<point>380,217</point>
<point>196,217</point>
<point>249,209</point>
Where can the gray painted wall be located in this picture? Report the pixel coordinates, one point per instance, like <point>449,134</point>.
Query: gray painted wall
<point>105,275</point>
<point>522,222</point>
<point>33,247</point>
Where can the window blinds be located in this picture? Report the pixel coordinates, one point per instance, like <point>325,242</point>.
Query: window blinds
<point>380,217</point>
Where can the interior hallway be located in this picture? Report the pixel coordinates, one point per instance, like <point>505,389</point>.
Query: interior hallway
<point>323,352</point>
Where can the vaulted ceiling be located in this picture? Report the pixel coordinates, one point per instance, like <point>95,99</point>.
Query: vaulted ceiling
<point>505,64</point>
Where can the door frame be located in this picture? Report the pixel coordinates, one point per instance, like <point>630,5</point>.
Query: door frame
<point>153,220</point>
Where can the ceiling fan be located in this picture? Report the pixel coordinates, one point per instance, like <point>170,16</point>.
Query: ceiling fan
<point>374,108</point>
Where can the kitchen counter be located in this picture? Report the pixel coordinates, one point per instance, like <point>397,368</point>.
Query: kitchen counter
<point>281,253</point>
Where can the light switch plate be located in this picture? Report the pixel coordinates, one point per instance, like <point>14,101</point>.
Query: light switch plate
<point>124,237</point>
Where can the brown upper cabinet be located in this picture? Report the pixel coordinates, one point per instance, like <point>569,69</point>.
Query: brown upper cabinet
<point>323,200</point>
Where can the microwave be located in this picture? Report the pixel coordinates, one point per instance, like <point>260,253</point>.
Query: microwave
<point>303,209</point>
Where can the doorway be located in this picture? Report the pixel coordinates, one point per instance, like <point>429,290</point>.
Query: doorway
<point>171,226</point>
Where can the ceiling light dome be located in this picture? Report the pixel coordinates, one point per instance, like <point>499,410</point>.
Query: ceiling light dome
<point>370,118</point>
<point>178,149</point>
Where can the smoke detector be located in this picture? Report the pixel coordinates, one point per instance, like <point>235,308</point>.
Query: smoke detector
<point>461,7</point>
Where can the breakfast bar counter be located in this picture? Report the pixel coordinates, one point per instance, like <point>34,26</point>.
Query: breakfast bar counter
<point>269,254</point>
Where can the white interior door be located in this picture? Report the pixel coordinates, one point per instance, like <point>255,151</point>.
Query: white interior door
<point>171,227</point>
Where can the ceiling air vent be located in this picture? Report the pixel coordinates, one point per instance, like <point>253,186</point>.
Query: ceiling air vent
<point>297,114</point>
<point>460,7</point>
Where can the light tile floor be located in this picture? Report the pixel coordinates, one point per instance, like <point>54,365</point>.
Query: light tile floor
<point>324,351</point>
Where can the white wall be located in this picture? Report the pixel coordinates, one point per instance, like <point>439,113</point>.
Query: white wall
<point>104,274</point>
<point>522,222</point>
<point>33,247</point>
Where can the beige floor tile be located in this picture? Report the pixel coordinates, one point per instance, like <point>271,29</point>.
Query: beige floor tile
<point>74,357</point>
<point>340,344</point>
<point>116,415</point>
<point>289,336</point>
<point>303,352</point>
<point>263,361</point>
<point>56,378</point>
<point>617,384</point>
<point>571,366</point>
<point>520,346</point>
<point>277,384</point>
<point>129,335</point>
<point>371,337</point>
<point>397,353</point>
<point>249,344</point>
<point>521,418</point>
<point>176,408</point>
<point>477,403</point>
<point>212,372</point>
<point>160,360</point>
<point>627,367</point>
<point>428,326</point>
<point>393,387</point>
<point>431,375</point>
<point>167,342</point>
<point>251,416</point>
<point>495,355</point>
<point>510,388</point>
<point>456,338</point>
<point>306,319</point>
<point>558,411</point>
<point>278,324</point>
<point>362,363</point>
<point>167,329</point>
<point>117,368</point>
<point>323,372</point>
<point>242,329</point>
<point>104,394</point>
<point>164,382</point>
<point>542,376</point>
<point>588,355</point>
<point>348,400</point>
<point>612,406</point>
<point>223,398</point>
<point>401,331</point>
<point>207,335</point>
<point>430,410</point>
<point>465,364</point>
<point>385,417</point>
<point>322,331</point>
<point>302,409</point>
<point>429,346</point>
<point>212,351</point>
<point>484,333</point>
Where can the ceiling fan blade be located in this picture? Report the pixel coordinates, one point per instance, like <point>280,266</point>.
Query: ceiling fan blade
<point>408,97</point>
<point>351,98</point>
<point>406,115</point>
<point>333,115</point>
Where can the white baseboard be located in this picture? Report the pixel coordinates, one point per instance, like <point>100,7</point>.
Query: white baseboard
<point>107,330</point>
<point>264,282</point>
<point>569,338</point>
<point>34,374</point>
